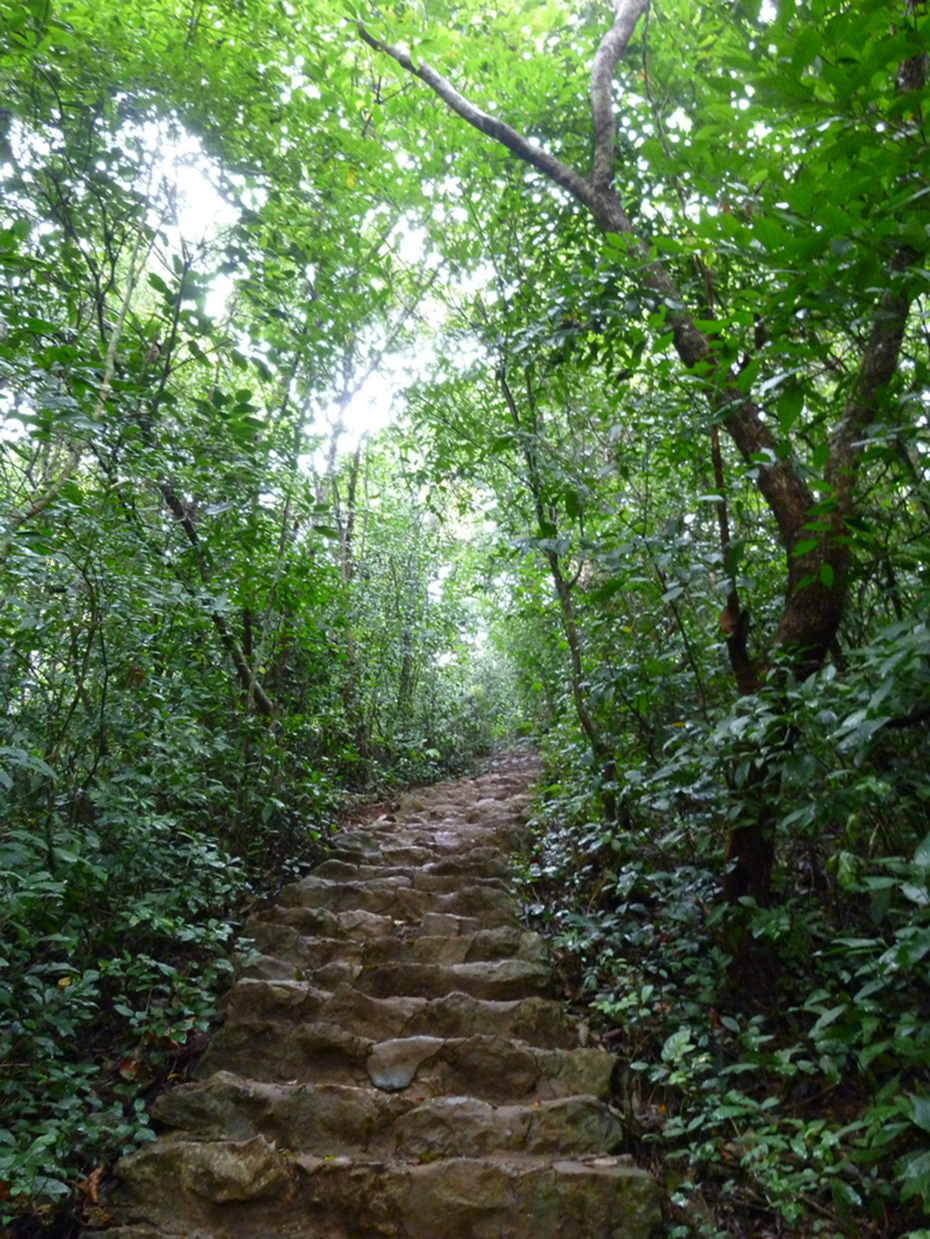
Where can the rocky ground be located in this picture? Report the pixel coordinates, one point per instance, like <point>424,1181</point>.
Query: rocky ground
<point>394,1064</point>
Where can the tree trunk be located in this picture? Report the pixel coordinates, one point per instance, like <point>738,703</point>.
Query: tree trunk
<point>600,746</point>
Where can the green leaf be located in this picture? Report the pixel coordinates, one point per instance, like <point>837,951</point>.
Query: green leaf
<point>746,377</point>
<point>913,1171</point>
<point>830,1016</point>
<point>845,1196</point>
<point>790,406</point>
<point>505,443</point>
<point>804,546</point>
<point>920,1111</point>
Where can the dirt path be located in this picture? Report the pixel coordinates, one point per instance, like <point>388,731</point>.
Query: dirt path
<point>393,1066</point>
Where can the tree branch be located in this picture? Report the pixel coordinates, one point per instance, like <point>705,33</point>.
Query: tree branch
<point>515,142</point>
<point>246,676</point>
<point>783,490</point>
<point>816,580</point>
<point>614,43</point>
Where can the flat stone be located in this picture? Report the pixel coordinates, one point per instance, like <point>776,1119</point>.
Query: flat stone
<point>324,1119</point>
<point>367,894</point>
<point>399,853</point>
<point>398,899</point>
<point>270,1051</point>
<point>533,1019</point>
<point>220,1172</point>
<point>487,861</point>
<point>469,1127</point>
<point>481,1198</point>
<point>501,1069</point>
<point>271,968</point>
<point>393,1065</point>
<point>507,942</point>
<point>255,999</point>
<point>377,1019</point>
<point>441,876</point>
<point>493,907</point>
<point>537,1021</point>
<point>499,980</point>
<point>447,925</point>
<point>355,924</point>
<point>285,943</point>
<point>494,1068</point>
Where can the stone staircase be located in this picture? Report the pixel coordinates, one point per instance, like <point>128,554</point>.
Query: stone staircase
<point>393,1065</point>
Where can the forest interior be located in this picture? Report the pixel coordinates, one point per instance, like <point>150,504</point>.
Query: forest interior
<point>382,386</point>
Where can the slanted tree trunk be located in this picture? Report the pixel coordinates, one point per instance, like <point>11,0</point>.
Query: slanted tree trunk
<point>600,746</point>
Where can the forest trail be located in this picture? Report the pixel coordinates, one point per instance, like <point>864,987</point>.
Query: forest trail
<point>394,1065</point>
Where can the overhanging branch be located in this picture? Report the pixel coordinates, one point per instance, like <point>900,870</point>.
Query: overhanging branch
<point>784,491</point>
<point>816,579</point>
<point>515,142</point>
<point>614,43</point>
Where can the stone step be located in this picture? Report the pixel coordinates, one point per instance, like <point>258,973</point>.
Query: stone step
<point>457,835</point>
<point>491,1067</point>
<point>326,1119</point>
<point>376,878</point>
<point>228,1189</point>
<point>370,926</point>
<point>390,1066</point>
<point>285,944</point>
<point>498,980</point>
<point>451,1014</point>
<point>445,842</point>
<point>335,1119</point>
<point>482,1198</point>
<point>360,846</point>
<point>492,802</point>
<point>372,848</point>
<point>396,898</point>
<point>488,865</point>
<point>466,1127</point>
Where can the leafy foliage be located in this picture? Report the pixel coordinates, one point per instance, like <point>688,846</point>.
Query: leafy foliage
<point>216,624</point>
<point>658,494</point>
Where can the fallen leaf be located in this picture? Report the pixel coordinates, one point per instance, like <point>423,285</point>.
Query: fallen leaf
<point>90,1187</point>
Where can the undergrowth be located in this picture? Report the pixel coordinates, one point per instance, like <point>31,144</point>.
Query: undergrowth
<point>789,1098</point>
<point>120,909</point>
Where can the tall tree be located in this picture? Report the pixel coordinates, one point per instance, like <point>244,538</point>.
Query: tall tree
<point>815,313</point>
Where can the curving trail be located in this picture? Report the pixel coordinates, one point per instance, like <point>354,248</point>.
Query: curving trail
<point>394,1066</point>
